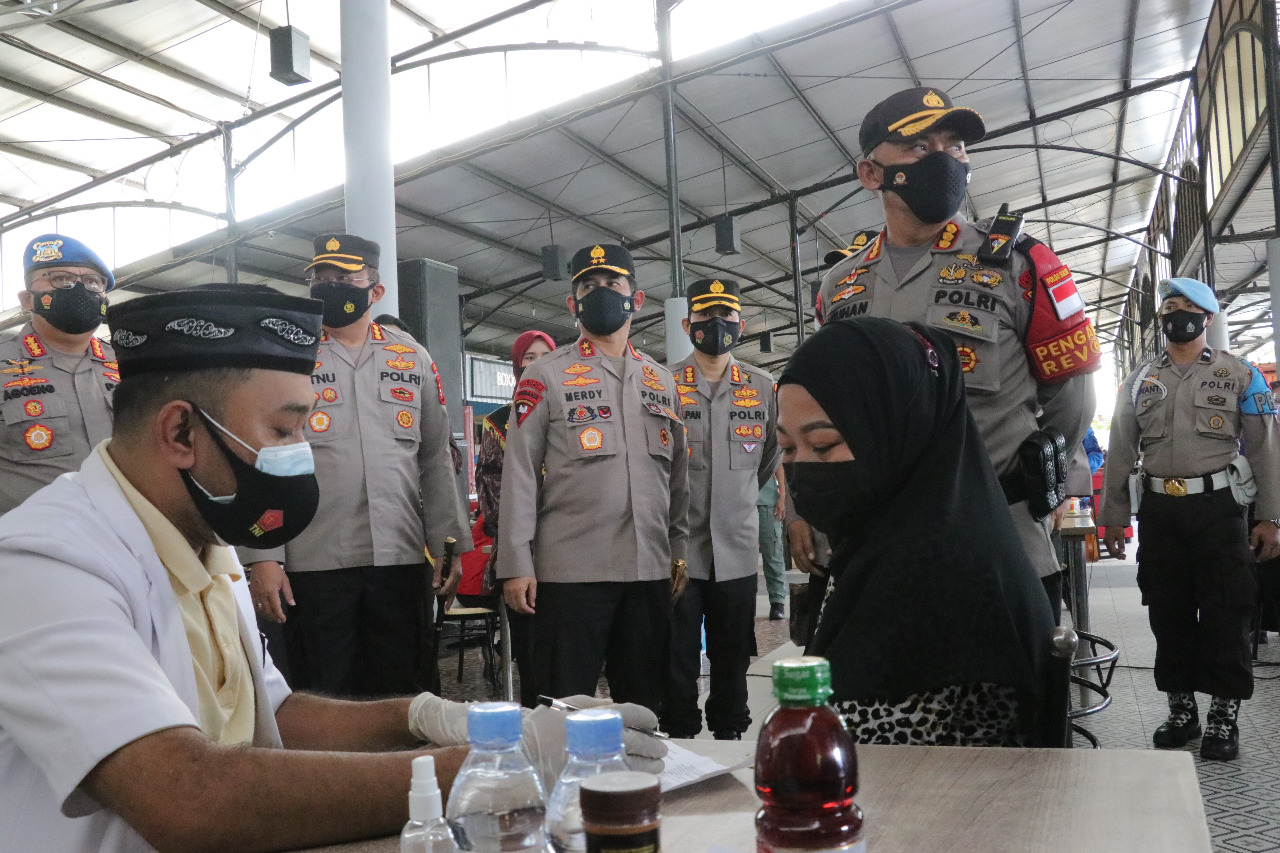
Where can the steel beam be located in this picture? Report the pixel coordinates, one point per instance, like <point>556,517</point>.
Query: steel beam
<point>822,123</point>
<point>86,111</point>
<point>1019,38</point>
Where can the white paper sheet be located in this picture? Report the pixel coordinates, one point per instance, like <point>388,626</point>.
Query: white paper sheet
<point>683,767</point>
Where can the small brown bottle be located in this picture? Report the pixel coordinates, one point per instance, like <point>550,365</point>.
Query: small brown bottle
<point>620,811</point>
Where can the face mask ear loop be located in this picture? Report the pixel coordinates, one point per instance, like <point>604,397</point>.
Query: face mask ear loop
<point>229,433</point>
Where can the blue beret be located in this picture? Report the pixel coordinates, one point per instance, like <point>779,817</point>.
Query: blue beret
<point>1198,293</point>
<point>54,250</point>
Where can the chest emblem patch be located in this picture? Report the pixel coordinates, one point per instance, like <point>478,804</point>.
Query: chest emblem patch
<point>749,446</point>
<point>399,349</point>
<point>1216,422</point>
<point>591,439</point>
<point>577,369</point>
<point>1222,373</point>
<point>986,278</point>
<point>746,393</point>
<point>968,359</point>
<point>746,404</point>
<point>579,381</point>
<point>404,395</point>
<point>398,363</point>
<point>745,431</point>
<point>404,418</point>
<point>963,320</point>
<point>38,437</point>
<point>329,395</point>
<point>952,274</point>
<point>1217,400</point>
<point>33,408</point>
<point>686,400</point>
<point>664,437</point>
<point>320,421</point>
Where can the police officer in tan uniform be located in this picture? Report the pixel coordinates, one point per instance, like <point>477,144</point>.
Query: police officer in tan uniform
<point>380,436</point>
<point>1185,413</point>
<point>57,377</point>
<point>1010,305</point>
<point>731,414</point>
<point>595,492</point>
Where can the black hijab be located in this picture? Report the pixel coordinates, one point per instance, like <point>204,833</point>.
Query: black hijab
<point>932,585</point>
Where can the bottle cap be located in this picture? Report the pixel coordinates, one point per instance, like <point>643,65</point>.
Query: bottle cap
<point>802,681</point>
<point>626,798</point>
<point>494,724</point>
<point>596,731</point>
<point>425,804</point>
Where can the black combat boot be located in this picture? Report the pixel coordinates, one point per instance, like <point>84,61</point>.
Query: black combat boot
<point>1221,733</point>
<point>1183,723</point>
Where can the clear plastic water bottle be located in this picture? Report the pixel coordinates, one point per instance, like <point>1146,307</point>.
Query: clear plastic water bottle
<point>594,739</point>
<point>497,803</point>
<point>427,831</point>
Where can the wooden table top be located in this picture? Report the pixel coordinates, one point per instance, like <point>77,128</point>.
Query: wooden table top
<point>964,799</point>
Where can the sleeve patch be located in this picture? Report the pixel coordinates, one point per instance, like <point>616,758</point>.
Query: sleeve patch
<point>1257,399</point>
<point>527,397</point>
<point>1065,355</point>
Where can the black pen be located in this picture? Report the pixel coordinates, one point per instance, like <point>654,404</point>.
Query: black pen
<point>569,709</point>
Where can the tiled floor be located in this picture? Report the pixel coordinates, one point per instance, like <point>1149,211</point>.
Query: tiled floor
<point>1241,798</point>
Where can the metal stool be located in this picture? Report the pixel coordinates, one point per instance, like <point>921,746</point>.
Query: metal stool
<point>1104,667</point>
<point>488,618</point>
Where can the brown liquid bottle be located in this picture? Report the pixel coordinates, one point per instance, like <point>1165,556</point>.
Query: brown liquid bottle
<point>806,767</point>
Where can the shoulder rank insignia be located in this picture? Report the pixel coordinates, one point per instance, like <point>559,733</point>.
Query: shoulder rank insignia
<point>376,331</point>
<point>689,378</point>
<point>95,347</point>
<point>735,375</point>
<point>948,237</point>
<point>635,353</point>
<point>324,336</point>
<point>586,349</point>
<point>439,384</point>
<point>113,375</point>
<point>400,349</point>
<point>34,348</point>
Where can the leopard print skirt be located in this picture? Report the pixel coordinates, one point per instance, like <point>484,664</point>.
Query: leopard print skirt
<point>958,715</point>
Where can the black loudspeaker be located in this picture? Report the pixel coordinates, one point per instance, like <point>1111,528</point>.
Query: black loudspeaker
<point>766,342</point>
<point>555,265</point>
<point>728,240</point>
<point>290,56</point>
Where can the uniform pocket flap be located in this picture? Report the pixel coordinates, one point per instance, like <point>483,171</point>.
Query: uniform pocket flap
<point>36,406</point>
<point>1216,398</point>
<point>969,322</point>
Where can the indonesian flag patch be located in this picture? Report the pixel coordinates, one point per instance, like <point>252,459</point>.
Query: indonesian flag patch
<point>1061,288</point>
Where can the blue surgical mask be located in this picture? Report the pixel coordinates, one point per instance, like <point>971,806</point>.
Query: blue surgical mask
<point>285,460</point>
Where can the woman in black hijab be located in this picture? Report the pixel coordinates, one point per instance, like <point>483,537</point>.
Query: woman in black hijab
<point>936,626</point>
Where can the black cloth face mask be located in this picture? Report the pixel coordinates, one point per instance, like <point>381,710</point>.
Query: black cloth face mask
<point>715,336</point>
<point>932,187</point>
<point>343,303</point>
<point>604,311</point>
<point>828,495</point>
<point>75,310</point>
<point>266,510</point>
<point>1183,327</point>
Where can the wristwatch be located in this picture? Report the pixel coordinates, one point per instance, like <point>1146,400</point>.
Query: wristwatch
<point>1275,521</point>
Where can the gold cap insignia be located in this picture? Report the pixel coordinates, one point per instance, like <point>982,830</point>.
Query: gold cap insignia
<point>47,251</point>
<point>932,100</point>
<point>597,255</point>
<point>333,245</point>
<point>349,308</point>
<point>716,287</point>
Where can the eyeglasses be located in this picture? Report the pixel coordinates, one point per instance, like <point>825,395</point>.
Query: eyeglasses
<point>313,280</point>
<point>92,282</point>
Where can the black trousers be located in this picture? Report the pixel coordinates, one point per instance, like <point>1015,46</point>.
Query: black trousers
<point>1195,570</point>
<point>358,631</point>
<point>579,629</point>
<point>729,608</point>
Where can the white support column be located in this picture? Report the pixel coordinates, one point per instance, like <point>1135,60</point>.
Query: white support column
<point>1218,336</point>
<point>1273,285</point>
<point>679,346</point>
<point>366,133</point>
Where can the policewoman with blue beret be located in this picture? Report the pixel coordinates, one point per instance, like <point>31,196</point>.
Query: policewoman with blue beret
<point>731,415</point>
<point>595,494</point>
<point>1184,414</point>
<point>57,377</point>
<point>1006,300</point>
